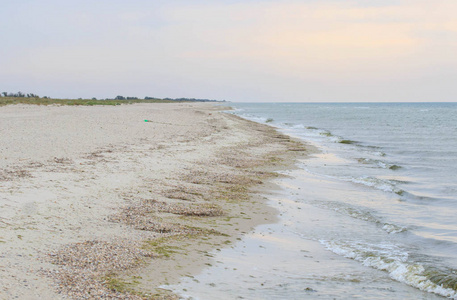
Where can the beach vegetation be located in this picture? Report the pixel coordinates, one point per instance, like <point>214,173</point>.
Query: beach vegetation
<point>274,159</point>
<point>83,102</point>
<point>125,286</point>
<point>31,98</point>
<point>400,192</point>
<point>161,247</point>
<point>117,284</point>
<point>348,142</point>
<point>298,149</point>
<point>71,102</point>
<point>446,279</point>
<point>326,133</point>
<point>200,210</point>
<point>165,247</point>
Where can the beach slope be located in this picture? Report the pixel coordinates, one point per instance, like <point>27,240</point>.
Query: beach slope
<point>112,202</point>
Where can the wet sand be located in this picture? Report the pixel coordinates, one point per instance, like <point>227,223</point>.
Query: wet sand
<point>97,203</point>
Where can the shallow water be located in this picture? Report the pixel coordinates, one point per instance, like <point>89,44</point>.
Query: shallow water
<point>291,259</point>
<point>371,216</point>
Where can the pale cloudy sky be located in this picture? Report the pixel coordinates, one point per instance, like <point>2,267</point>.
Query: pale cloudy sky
<point>366,50</point>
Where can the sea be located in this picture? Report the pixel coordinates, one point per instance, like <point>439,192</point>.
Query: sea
<point>371,214</point>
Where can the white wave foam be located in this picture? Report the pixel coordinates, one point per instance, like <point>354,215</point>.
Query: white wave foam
<point>298,126</point>
<point>380,184</point>
<point>379,153</point>
<point>391,259</point>
<point>379,163</point>
<point>392,228</point>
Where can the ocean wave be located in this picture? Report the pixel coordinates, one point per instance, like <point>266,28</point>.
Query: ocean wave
<point>379,163</point>
<point>392,259</point>
<point>293,126</point>
<point>361,214</point>
<point>348,210</point>
<point>373,150</point>
<point>393,228</point>
<point>251,117</point>
<point>379,153</point>
<point>326,133</point>
<point>298,126</point>
<point>417,199</point>
<point>380,184</point>
<point>390,186</point>
<point>234,110</point>
<point>332,137</point>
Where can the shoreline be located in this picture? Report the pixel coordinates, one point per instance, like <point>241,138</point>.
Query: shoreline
<point>84,215</point>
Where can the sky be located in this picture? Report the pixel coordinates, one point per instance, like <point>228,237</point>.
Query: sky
<point>256,51</point>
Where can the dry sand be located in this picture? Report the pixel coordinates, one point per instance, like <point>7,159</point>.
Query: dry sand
<point>97,203</point>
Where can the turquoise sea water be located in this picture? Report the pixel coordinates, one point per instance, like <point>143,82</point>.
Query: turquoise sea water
<point>371,215</point>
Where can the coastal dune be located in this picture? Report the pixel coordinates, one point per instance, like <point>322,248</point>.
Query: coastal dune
<point>97,203</point>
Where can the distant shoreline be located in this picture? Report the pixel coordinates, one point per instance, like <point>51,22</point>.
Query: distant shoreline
<point>90,102</point>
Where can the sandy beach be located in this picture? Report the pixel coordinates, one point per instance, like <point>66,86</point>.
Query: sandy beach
<point>97,203</point>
